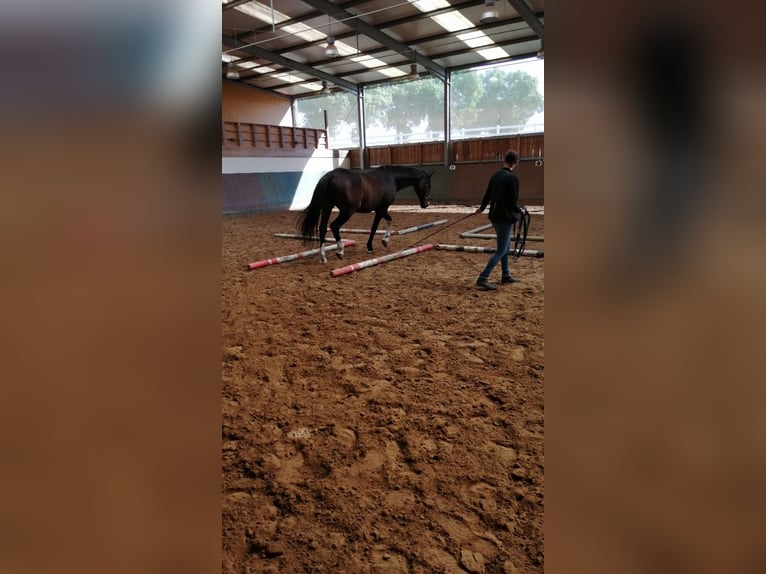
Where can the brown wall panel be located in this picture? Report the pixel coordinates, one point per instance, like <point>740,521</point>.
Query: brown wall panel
<point>475,161</point>
<point>493,149</point>
<point>408,154</point>
<point>354,158</point>
<point>378,156</point>
<point>243,104</point>
<point>468,182</point>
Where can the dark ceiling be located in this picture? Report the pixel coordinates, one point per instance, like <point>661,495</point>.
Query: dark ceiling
<point>279,45</point>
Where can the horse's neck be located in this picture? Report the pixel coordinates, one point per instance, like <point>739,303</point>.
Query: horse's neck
<point>403,181</point>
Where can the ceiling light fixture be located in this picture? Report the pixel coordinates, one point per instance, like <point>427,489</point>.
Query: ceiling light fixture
<point>413,75</point>
<point>325,89</point>
<point>490,13</point>
<point>231,72</point>
<point>541,51</point>
<point>331,51</point>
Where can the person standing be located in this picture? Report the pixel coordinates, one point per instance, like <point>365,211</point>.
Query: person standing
<point>502,196</point>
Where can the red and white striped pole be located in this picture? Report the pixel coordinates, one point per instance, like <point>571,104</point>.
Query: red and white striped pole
<point>378,260</point>
<point>329,238</point>
<point>294,256</point>
<point>296,236</point>
<point>476,249</point>
<point>351,230</point>
<point>419,227</point>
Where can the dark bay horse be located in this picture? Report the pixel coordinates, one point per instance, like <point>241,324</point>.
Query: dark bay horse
<point>364,192</point>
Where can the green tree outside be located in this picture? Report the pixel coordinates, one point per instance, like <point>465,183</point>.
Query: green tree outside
<point>507,98</point>
<point>480,99</point>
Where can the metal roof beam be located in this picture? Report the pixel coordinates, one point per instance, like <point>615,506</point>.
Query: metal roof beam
<point>423,40</point>
<point>282,61</point>
<point>443,36</point>
<point>299,19</point>
<point>390,24</point>
<point>353,21</point>
<point>529,16</point>
<point>384,25</point>
<point>459,52</point>
<point>424,15</point>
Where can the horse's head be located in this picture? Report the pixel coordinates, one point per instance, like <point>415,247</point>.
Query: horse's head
<point>423,189</point>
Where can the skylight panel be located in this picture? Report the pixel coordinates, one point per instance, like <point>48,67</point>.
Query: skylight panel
<point>345,49</point>
<point>430,5</point>
<point>257,68</point>
<point>361,58</point>
<point>493,53</point>
<point>370,62</point>
<point>475,39</point>
<point>262,13</point>
<point>391,72</point>
<point>290,78</point>
<point>452,21</point>
<point>312,86</point>
<point>304,32</point>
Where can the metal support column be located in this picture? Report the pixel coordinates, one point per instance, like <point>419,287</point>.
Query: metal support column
<point>362,130</point>
<point>447,117</point>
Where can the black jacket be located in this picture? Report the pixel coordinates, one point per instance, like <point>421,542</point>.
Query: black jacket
<point>502,195</point>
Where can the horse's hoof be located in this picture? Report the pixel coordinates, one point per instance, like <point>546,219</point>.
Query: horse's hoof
<point>385,243</point>
<point>339,255</point>
<point>369,250</point>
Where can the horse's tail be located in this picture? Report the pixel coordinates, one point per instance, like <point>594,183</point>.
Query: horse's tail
<point>308,222</point>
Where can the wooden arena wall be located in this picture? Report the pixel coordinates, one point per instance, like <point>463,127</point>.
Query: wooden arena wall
<point>269,165</point>
<point>241,103</point>
<point>274,179</point>
<point>471,164</point>
<point>266,163</point>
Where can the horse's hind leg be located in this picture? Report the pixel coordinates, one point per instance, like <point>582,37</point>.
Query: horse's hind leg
<point>387,235</point>
<point>335,226</point>
<point>323,232</point>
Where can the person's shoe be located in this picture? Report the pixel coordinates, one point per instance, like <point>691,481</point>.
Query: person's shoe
<point>509,279</point>
<point>485,285</point>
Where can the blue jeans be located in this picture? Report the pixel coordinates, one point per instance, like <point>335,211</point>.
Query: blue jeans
<point>503,231</point>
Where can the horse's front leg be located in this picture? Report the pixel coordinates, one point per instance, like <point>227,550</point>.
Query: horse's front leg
<point>387,235</point>
<point>375,223</point>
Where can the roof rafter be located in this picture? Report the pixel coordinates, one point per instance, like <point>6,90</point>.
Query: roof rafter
<point>363,27</point>
<point>466,50</point>
<point>529,16</point>
<point>281,60</point>
<point>446,55</point>
<point>299,19</point>
<point>390,36</point>
<point>390,24</point>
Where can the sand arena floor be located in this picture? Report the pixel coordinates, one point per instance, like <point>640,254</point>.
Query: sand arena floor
<point>389,420</point>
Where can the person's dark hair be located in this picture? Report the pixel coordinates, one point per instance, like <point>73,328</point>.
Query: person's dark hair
<point>511,157</point>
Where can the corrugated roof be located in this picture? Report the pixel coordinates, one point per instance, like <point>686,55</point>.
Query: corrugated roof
<point>280,46</point>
